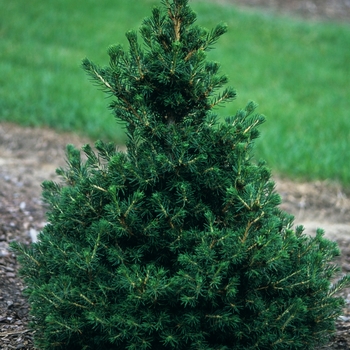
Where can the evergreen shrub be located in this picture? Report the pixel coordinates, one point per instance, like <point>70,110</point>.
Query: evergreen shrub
<point>179,242</point>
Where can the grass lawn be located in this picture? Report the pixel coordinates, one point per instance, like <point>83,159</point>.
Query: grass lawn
<point>297,71</point>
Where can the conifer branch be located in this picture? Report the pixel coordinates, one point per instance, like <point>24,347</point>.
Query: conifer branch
<point>29,257</point>
<point>103,81</point>
<point>190,54</point>
<point>125,226</point>
<point>86,299</point>
<point>176,19</point>
<point>250,224</point>
<point>180,242</point>
<point>287,277</point>
<point>243,202</point>
<point>99,188</point>
<point>227,95</point>
<point>64,325</point>
<point>252,126</point>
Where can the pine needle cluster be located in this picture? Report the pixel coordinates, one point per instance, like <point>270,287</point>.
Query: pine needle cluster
<point>179,242</point>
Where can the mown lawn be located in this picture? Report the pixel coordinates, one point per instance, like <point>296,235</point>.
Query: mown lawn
<point>297,71</point>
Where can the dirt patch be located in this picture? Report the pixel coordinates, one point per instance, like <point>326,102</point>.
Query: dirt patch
<point>333,10</point>
<point>27,157</point>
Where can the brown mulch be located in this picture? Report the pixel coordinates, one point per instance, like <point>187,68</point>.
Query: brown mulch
<point>29,156</point>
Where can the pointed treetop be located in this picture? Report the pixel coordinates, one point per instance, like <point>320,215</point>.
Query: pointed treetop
<point>167,80</point>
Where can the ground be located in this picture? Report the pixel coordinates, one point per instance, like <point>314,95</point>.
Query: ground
<point>338,10</point>
<point>29,156</point>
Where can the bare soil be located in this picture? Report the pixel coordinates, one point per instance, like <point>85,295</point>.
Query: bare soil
<point>333,10</point>
<point>29,156</point>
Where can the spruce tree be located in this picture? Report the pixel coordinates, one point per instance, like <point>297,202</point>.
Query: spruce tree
<point>179,242</point>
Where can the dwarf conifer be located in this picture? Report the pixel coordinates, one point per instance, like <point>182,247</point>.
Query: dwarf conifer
<point>179,242</point>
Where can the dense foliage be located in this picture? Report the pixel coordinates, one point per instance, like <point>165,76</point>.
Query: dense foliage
<point>179,242</point>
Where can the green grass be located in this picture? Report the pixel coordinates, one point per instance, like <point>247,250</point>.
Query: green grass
<point>297,71</point>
